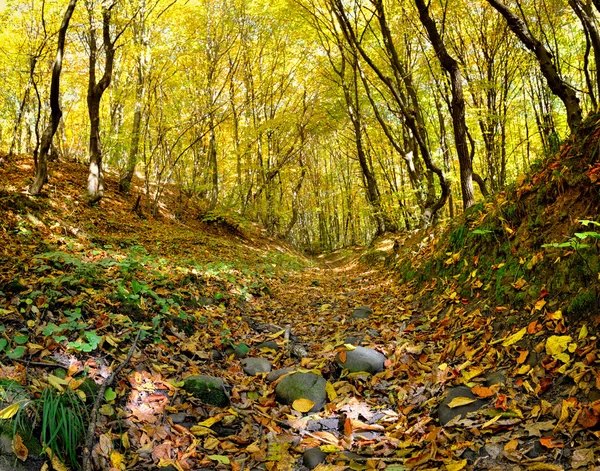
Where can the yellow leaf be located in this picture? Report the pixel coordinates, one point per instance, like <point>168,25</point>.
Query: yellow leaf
<point>116,459</point>
<point>460,401</point>
<point>302,405</point>
<point>544,467</point>
<point>540,304</point>
<point>10,411</point>
<point>125,441</point>
<point>210,421</point>
<point>557,344</point>
<point>349,347</point>
<point>253,448</point>
<point>329,448</point>
<point>583,332</point>
<point>492,420</point>
<point>443,366</point>
<point>456,465</point>
<point>277,334</point>
<point>57,464</point>
<point>514,338</point>
<point>331,394</point>
<point>56,382</point>
<point>472,373</point>
<point>524,369</point>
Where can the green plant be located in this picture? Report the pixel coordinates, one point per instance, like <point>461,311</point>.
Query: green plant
<point>64,424</point>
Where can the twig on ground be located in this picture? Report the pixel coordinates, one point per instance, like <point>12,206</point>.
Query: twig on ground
<point>89,439</point>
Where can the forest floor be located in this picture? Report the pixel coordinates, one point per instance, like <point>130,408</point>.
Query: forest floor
<point>463,384</point>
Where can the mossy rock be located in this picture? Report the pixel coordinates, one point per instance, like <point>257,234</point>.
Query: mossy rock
<point>302,386</point>
<point>208,389</point>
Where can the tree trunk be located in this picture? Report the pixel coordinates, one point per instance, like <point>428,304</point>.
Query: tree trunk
<point>457,108</point>
<point>41,176</point>
<point>95,184</point>
<point>546,61</point>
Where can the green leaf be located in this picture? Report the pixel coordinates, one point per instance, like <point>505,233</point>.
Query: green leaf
<point>110,394</point>
<point>3,344</point>
<point>50,329</point>
<point>219,458</point>
<point>15,353</point>
<point>21,339</point>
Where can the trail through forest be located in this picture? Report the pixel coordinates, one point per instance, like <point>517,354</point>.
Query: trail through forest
<point>238,353</point>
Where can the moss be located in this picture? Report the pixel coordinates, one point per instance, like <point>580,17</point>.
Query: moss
<point>208,389</point>
<point>583,306</point>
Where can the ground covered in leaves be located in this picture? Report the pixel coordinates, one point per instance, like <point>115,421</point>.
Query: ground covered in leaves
<point>464,384</point>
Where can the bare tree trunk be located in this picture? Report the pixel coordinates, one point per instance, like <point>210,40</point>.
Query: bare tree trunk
<point>41,176</point>
<point>457,108</point>
<point>546,61</point>
<point>95,184</point>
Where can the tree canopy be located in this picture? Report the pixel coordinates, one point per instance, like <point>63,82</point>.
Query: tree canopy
<point>327,121</point>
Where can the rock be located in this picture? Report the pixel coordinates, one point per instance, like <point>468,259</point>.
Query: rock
<point>276,374</point>
<point>361,312</point>
<point>216,355</point>
<point>362,359</point>
<point>496,377</point>
<point>270,344</point>
<point>256,365</point>
<point>313,457</point>
<point>302,385</point>
<point>208,389</point>
<point>446,414</point>
<point>178,418</point>
<point>353,340</point>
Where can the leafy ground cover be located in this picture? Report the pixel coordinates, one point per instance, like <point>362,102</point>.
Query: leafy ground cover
<point>469,379</point>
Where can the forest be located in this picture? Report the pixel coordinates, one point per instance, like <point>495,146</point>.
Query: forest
<point>278,235</point>
<point>327,122</point>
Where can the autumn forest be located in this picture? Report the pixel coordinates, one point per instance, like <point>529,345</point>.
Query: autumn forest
<point>326,121</point>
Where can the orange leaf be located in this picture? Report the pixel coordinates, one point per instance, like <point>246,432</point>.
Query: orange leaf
<point>348,427</point>
<point>532,327</point>
<point>19,447</point>
<point>549,442</point>
<point>482,391</point>
<point>522,357</point>
<point>342,356</point>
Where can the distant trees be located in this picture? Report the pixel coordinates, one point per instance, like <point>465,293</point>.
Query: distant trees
<point>326,121</point>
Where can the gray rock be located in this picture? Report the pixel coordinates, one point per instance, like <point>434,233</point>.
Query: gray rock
<point>446,414</point>
<point>256,365</point>
<point>276,374</point>
<point>208,389</point>
<point>353,340</point>
<point>361,312</point>
<point>302,385</point>
<point>271,344</point>
<point>313,457</point>
<point>178,418</point>
<point>216,355</point>
<point>497,377</point>
<point>362,359</point>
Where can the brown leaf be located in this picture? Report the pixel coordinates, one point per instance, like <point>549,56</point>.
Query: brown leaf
<point>19,448</point>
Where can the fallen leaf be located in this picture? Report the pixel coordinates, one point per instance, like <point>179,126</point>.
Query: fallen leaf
<point>303,405</point>
<point>10,411</point>
<point>455,465</point>
<point>482,391</point>
<point>19,448</point>
<point>460,401</point>
<point>514,338</point>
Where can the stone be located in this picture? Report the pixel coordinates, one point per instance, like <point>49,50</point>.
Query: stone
<point>256,365</point>
<point>497,377</point>
<point>313,457</point>
<point>276,374</point>
<point>361,312</point>
<point>353,340</point>
<point>302,385</point>
<point>208,389</point>
<point>216,355</point>
<point>362,359</point>
<point>270,344</point>
<point>446,414</point>
<point>178,418</point>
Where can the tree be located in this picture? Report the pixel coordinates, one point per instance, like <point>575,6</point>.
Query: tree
<point>95,184</point>
<point>41,176</point>
<point>546,63</point>
<point>457,107</point>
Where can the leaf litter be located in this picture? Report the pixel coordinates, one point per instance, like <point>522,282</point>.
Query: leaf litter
<point>71,306</point>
